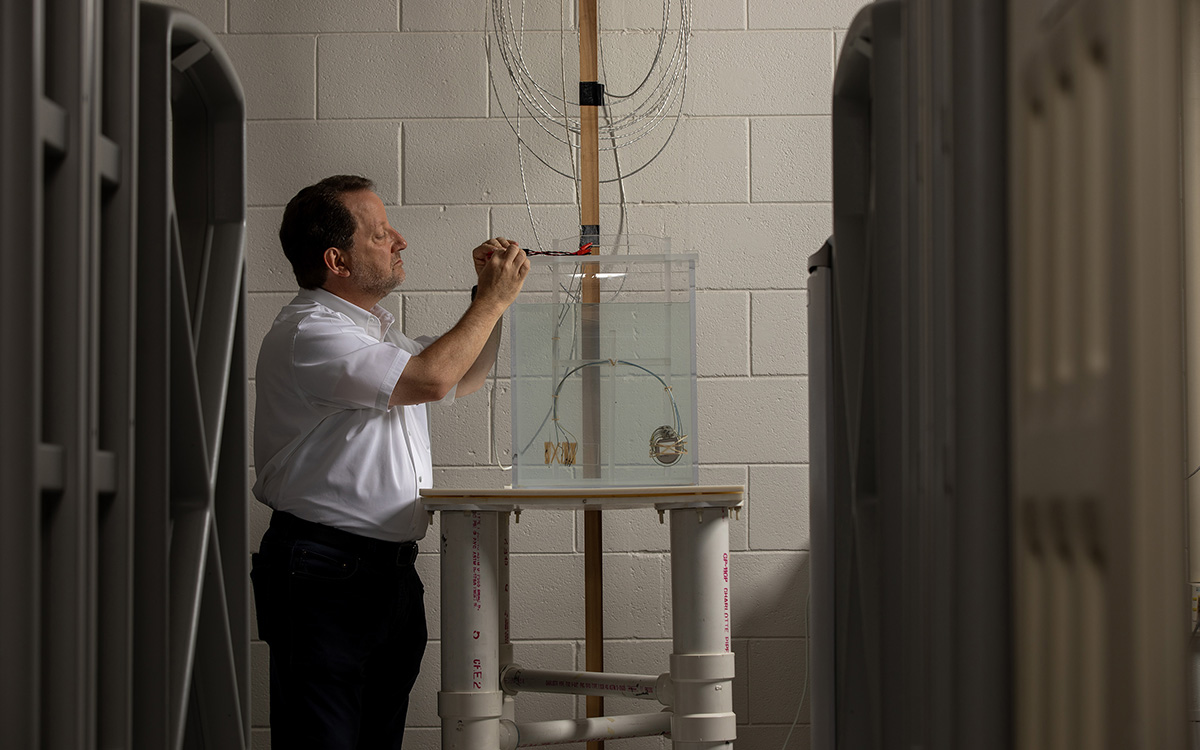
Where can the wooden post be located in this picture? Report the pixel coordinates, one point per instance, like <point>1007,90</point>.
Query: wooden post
<point>589,118</point>
<point>589,220</point>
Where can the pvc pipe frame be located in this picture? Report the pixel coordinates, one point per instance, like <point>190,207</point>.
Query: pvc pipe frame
<point>540,733</point>
<point>475,631</point>
<point>509,708</point>
<point>702,659</point>
<point>517,679</point>
<point>470,701</point>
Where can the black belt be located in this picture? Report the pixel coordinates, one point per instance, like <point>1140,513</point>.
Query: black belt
<point>378,551</point>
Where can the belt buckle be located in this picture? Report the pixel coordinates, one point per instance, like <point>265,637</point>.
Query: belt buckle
<point>406,554</point>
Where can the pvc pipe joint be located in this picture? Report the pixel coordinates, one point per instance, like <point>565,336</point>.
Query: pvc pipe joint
<point>470,703</point>
<point>664,689</point>
<point>470,720</point>
<point>703,686</point>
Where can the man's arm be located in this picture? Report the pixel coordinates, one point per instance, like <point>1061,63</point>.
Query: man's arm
<point>463,351</point>
<point>478,371</point>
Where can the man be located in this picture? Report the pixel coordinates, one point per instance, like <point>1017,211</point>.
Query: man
<point>342,447</point>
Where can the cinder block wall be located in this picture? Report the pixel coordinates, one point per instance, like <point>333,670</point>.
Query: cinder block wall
<point>398,90</point>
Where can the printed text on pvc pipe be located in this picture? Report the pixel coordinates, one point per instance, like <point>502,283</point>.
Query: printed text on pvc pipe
<point>477,588</point>
<point>726,573</point>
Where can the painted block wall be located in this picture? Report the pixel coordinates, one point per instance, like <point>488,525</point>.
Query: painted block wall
<point>398,90</point>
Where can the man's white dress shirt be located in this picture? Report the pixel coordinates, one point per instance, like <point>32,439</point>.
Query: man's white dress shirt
<point>327,447</point>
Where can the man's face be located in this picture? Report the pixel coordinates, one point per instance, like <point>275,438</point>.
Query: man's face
<point>375,263</point>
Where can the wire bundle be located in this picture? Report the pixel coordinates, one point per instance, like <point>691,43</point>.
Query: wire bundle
<point>667,443</point>
<point>628,117</point>
<point>584,249</point>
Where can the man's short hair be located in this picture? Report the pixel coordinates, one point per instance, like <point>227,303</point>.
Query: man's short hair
<point>317,219</point>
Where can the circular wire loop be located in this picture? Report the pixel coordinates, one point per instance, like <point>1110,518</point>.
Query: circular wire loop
<point>628,117</point>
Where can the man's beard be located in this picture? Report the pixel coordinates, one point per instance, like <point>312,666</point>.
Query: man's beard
<point>375,283</point>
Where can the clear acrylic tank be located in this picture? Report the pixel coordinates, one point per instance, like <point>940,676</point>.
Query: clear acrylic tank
<point>604,368</point>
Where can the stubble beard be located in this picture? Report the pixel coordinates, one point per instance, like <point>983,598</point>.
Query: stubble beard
<point>375,283</point>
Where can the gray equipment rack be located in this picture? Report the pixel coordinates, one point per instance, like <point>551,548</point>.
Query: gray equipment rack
<point>123,555</point>
<point>910,612</point>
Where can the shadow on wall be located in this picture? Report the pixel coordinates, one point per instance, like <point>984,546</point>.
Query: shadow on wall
<point>768,593</point>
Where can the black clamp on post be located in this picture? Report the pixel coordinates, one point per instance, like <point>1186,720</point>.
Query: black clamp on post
<point>591,94</point>
<point>589,233</point>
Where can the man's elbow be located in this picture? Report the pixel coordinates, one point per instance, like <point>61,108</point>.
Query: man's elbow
<point>433,389</point>
<point>469,385</point>
<point>439,389</point>
<point>420,390</point>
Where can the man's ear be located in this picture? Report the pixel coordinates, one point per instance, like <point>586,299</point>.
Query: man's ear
<point>336,260</point>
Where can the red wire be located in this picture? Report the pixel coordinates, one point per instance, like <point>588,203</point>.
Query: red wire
<point>583,250</point>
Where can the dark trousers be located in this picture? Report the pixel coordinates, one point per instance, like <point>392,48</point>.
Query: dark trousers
<point>344,617</point>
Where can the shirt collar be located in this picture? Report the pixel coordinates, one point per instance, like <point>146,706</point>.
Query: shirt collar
<point>367,319</point>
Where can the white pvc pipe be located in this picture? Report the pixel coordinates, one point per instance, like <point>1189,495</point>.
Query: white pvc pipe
<point>700,580</point>
<point>502,583</point>
<point>470,701</point>
<point>541,733</point>
<point>509,709</point>
<point>517,679</point>
<point>702,658</point>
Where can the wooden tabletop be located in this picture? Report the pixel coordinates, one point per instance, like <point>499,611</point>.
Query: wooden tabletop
<point>591,498</point>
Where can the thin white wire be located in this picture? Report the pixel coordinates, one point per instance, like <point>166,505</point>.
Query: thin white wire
<point>525,76</point>
<point>562,70</point>
<point>642,120</point>
<point>620,130</point>
<point>539,98</point>
<point>662,38</point>
<point>572,126</point>
<point>807,662</point>
<point>492,398</point>
<point>648,162</point>
<point>671,83</point>
<point>623,216</point>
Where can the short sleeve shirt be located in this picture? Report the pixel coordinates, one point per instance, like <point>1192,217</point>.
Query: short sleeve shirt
<point>327,447</point>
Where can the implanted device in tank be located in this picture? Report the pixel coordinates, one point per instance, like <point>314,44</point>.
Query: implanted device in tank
<point>604,391</point>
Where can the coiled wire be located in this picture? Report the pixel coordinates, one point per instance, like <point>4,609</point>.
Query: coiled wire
<point>629,117</point>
